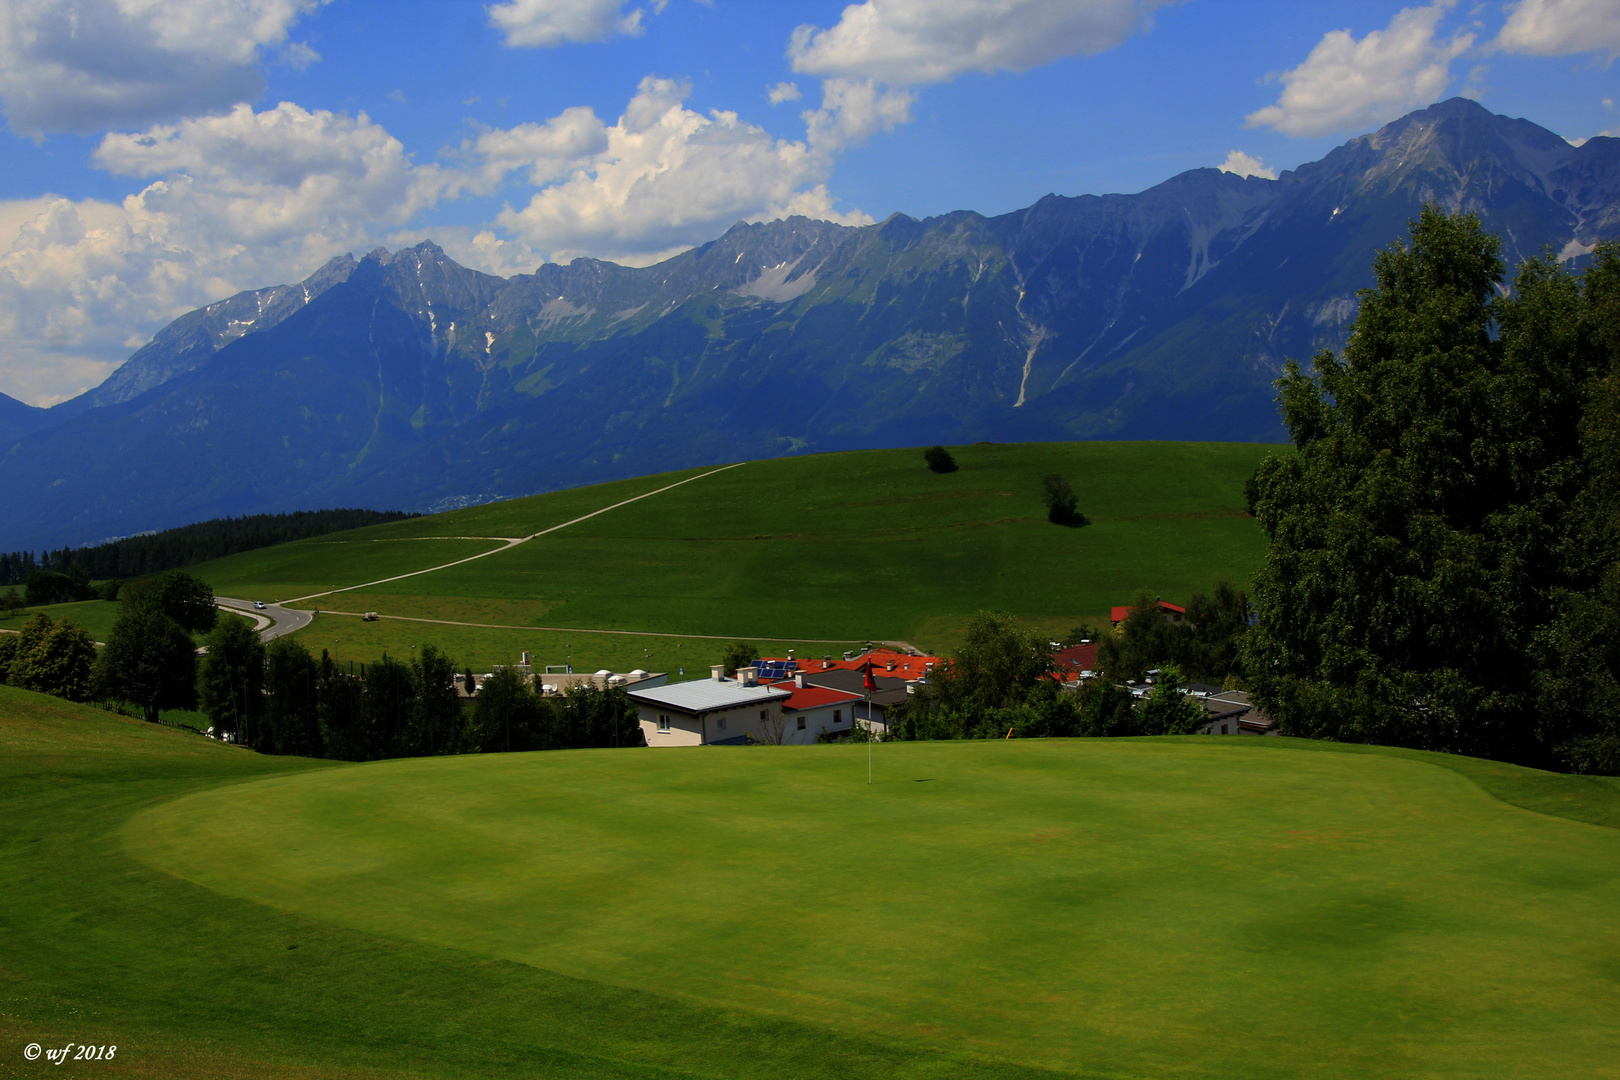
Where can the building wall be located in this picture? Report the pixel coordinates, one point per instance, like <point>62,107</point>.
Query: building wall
<point>714,727</point>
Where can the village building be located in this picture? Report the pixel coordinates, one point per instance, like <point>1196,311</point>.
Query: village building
<point>712,712</point>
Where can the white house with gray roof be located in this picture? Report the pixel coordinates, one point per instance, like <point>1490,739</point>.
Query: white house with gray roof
<point>705,712</point>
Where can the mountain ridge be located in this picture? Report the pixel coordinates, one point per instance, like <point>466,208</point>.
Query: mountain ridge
<point>404,380</point>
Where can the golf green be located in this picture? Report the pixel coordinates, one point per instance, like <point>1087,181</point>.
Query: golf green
<point>1187,907</point>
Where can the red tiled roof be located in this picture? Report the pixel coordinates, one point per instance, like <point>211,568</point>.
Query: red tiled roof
<point>1076,658</point>
<point>1121,613</point>
<point>811,697</point>
<point>904,665</point>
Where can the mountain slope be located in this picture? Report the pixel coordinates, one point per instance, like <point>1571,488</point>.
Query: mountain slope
<point>405,380</point>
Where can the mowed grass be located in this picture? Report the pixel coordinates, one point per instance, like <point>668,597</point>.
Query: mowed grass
<point>97,947</point>
<point>349,640</point>
<point>866,544</point>
<point>1192,907</point>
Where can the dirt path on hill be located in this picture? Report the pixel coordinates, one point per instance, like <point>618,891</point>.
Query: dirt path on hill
<point>509,544</point>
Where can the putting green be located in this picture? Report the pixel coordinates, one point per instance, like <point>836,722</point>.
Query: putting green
<point>1189,908</point>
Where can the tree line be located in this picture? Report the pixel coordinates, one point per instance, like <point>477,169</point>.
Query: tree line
<point>280,699</point>
<point>65,574</point>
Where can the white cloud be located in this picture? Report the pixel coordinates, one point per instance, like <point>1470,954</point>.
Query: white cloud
<point>853,110</point>
<point>87,65</point>
<point>234,202</point>
<point>1246,165</point>
<point>548,151</point>
<point>908,42</point>
<point>1561,27</point>
<point>544,23</point>
<point>669,178</point>
<point>298,55</point>
<point>784,91</point>
<point>1345,84</point>
<point>249,199</point>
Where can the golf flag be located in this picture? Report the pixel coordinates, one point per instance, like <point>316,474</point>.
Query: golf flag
<point>869,682</point>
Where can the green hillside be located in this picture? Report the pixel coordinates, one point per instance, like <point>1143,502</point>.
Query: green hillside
<point>1145,908</point>
<point>835,547</point>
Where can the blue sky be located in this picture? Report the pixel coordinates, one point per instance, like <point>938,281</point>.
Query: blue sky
<point>160,155</point>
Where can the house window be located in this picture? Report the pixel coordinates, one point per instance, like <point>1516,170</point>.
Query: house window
<point>764,715</point>
<point>720,723</point>
<point>801,723</point>
<point>663,724</point>
<point>838,716</point>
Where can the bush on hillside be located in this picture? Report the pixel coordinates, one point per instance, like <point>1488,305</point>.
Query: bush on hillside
<point>1062,504</point>
<point>50,658</point>
<point>939,459</point>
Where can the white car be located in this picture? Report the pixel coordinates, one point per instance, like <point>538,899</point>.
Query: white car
<point>258,605</point>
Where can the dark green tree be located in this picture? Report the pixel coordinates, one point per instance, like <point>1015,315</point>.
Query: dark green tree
<point>53,658</point>
<point>1145,640</point>
<point>1107,710</point>
<point>436,724</point>
<point>292,680</point>
<point>1416,553</point>
<point>386,707</point>
<point>998,683</point>
<point>1168,710</point>
<point>342,719</point>
<point>230,683</point>
<point>1216,624</point>
<point>939,459</point>
<point>149,661</point>
<point>739,654</point>
<point>178,595</point>
<point>508,715</point>
<point>589,717</point>
<point>1062,504</point>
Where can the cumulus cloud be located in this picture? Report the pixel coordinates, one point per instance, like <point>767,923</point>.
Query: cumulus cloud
<point>669,178</point>
<point>1246,165</point>
<point>1345,84</point>
<point>784,91</point>
<point>545,23</point>
<point>1560,27</point>
<point>853,110</point>
<point>248,199</point>
<point>233,202</point>
<point>909,42</point>
<point>87,65</point>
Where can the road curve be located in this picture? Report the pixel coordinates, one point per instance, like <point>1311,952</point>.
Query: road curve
<point>282,620</point>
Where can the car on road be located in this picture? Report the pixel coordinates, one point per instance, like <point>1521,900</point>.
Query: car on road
<point>370,616</point>
<point>258,605</point>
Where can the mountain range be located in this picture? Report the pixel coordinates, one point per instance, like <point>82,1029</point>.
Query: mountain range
<point>403,380</point>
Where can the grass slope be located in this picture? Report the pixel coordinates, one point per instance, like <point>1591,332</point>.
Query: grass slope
<point>101,948</point>
<point>1189,907</point>
<point>847,546</point>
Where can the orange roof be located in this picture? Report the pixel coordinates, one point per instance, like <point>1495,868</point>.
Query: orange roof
<point>1076,658</point>
<point>1121,613</point>
<point>886,662</point>
<point>811,697</point>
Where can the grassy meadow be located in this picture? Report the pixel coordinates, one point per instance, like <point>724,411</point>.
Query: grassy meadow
<point>349,640</point>
<point>860,545</point>
<point>1145,908</point>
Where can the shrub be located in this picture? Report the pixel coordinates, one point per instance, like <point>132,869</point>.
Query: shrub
<point>939,459</point>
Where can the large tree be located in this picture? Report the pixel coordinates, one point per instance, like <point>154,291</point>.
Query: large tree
<point>292,701</point>
<point>149,661</point>
<point>230,685</point>
<point>183,598</point>
<point>1417,539</point>
<point>51,658</point>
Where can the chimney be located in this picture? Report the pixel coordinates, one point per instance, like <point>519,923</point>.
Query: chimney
<point>717,672</point>
<point>798,679</point>
<point>748,676</point>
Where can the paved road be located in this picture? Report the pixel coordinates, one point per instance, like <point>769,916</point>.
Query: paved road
<point>282,620</point>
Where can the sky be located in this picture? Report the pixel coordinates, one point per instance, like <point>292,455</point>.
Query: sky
<point>162,154</point>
